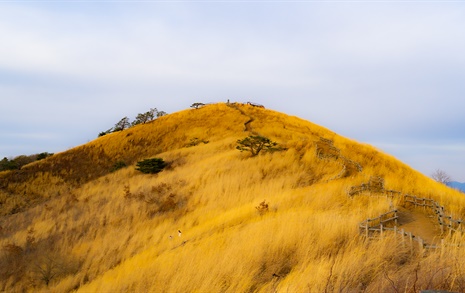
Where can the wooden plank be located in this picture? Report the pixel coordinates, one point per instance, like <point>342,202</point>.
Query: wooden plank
<point>390,219</point>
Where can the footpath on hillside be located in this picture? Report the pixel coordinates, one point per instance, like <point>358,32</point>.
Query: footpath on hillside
<point>420,224</point>
<point>423,218</point>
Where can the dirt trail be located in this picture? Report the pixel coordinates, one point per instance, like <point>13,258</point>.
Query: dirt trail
<point>247,126</point>
<point>420,223</point>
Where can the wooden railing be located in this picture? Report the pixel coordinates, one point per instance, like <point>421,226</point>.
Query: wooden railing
<point>379,224</point>
<point>375,184</point>
<point>325,149</point>
<point>446,223</point>
<point>388,221</point>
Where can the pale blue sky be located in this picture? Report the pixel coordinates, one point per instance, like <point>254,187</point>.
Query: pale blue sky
<point>386,73</point>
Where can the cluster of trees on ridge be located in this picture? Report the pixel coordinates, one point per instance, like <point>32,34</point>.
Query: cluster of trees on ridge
<point>141,118</point>
<point>19,161</point>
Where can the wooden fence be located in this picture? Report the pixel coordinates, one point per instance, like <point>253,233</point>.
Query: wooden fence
<point>379,224</point>
<point>325,149</point>
<point>375,184</point>
<point>388,221</point>
<point>446,223</point>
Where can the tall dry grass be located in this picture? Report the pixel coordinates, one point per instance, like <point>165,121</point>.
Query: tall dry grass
<point>108,231</point>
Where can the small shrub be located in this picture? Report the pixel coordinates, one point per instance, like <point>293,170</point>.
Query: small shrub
<point>127,192</point>
<point>262,208</point>
<point>151,166</point>
<point>196,141</point>
<point>118,165</point>
<point>30,240</point>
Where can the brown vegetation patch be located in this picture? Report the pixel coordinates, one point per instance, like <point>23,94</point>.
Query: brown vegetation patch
<point>159,199</point>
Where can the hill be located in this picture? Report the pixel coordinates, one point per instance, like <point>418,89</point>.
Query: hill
<point>457,185</point>
<point>220,220</point>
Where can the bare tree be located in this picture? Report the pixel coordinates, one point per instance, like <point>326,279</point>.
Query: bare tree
<point>47,268</point>
<point>50,266</point>
<point>441,176</point>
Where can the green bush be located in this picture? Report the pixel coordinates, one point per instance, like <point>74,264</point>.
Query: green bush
<point>6,164</point>
<point>151,166</point>
<point>44,155</point>
<point>118,165</point>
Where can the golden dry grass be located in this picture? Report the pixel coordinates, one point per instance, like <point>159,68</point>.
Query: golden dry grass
<point>101,231</point>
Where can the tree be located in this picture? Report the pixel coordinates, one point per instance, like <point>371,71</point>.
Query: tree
<point>44,155</point>
<point>122,124</point>
<point>20,161</point>
<point>141,118</point>
<point>441,176</point>
<point>148,116</point>
<point>6,164</point>
<point>23,160</point>
<point>151,114</point>
<point>256,143</point>
<point>48,267</point>
<point>161,114</point>
<point>105,132</point>
<point>197,105</point>
<point>151,166</point>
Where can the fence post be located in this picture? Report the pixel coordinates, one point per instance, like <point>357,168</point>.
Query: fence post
<point>450,226</point>
<point>441,223</point>
<point>411,241</point>
<point>367,232</point>
<point>381,227</point>
<point>395,216</point>
<point>442,247</point>
<point>403,237</point>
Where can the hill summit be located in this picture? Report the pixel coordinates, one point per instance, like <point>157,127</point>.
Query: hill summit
<point>216,219</point>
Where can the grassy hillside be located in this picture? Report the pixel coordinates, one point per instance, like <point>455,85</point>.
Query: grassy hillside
<point>71,224</point>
